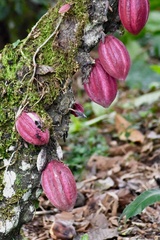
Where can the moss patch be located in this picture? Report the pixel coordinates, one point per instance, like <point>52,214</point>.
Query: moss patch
<point>17,69</point>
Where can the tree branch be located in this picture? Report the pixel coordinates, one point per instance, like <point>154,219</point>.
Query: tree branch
<point>36,75</point>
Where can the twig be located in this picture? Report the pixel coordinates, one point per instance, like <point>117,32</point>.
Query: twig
<point>44,212</point>
<point>42,45</point>
<point>21,107</point>
<point>29,35</point>
<point>34,61</point>
<point>9,162</point>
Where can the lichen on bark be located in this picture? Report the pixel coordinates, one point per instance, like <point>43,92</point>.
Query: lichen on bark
<point>36,75</point>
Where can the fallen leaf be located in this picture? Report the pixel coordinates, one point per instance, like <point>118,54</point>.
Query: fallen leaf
<point>147,147</point>
<point>153,135</point>
<point>101,234</point>
<point>126,132</point>
<point>44,69</point>
<point>103,163</point>
<point>98,220</point>
<point>123,149</point>
<point>104,184</point>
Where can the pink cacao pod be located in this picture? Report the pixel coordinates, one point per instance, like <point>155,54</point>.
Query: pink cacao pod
<point>59,185</point>
<point>29,126</point>
<point>65,8</point>
<point>114,57</point>
<point>133,14</point>
<point>101,87</point>
<point>77,110</point>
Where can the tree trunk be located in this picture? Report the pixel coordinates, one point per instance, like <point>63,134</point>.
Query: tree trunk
<point>36,75</point>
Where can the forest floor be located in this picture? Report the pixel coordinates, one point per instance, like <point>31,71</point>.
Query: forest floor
<point>112,178</point>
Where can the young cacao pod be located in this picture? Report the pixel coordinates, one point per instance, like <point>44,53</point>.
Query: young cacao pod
<point>133,14</point>
<point>65,8</point>
<point>101,87</point>
<point>114,57</point>
<point>29,126</point>
<point>77,110</point>
<point>59,185</point>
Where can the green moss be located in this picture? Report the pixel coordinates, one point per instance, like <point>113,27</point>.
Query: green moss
<point>17,69</point>
<point>8,211</point>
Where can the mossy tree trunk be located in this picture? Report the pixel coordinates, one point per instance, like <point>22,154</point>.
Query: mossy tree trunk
<point>36,75</point>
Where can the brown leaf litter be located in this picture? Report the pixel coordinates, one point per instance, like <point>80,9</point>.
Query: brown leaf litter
<point>109,184</point>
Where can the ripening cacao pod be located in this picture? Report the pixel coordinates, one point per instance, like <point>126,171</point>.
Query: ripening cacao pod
<point>29,126</point>
<point>114,57</point>
<point>59,185</point>
<point>101,87</point>
<point>133,14</point>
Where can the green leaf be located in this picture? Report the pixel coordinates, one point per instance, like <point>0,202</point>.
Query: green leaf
<point>136,51</point>
<point>141,76</point>
<point>155,68</point>
<point>141,202</point>
<point>85,237</point>
<point>153,22</point>
<point>154,4</point>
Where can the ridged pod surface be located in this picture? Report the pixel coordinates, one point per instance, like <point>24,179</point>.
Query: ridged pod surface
<point>29,127</point>
<point>59,185</point>
<point>114,57</point>
<point>133,14</point>
<point>101,87</point>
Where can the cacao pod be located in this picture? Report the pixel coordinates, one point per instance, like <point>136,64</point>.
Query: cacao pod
<point>65,8</point>
<point>59,185</point>
<point>101,87</point>
<point>114,57</point>
<point>77,110</point>
<point>133,14</point>
<point>29,126</point>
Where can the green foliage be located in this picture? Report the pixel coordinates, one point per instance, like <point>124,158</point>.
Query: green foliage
<point>82,145</point>
<point>144,49</point>
<point>154,4</point>
<point>19,15</point>
<point>153,22</point>
<point>141,76</point>
<point>156,68</point>
<point>85,237</point>
<point>141,202</point>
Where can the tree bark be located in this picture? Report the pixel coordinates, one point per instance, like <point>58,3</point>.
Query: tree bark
<point>36,75</point>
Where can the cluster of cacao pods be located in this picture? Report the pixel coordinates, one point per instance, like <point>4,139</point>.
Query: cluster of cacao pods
<point>114,61</point>
<point>57,180</point>
<point>113,64</point>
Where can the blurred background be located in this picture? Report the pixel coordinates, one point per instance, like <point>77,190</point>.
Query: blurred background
<point>17,17</point>
<point>136,107</point>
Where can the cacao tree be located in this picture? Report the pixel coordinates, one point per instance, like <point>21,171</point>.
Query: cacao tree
<point>36,76</point>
